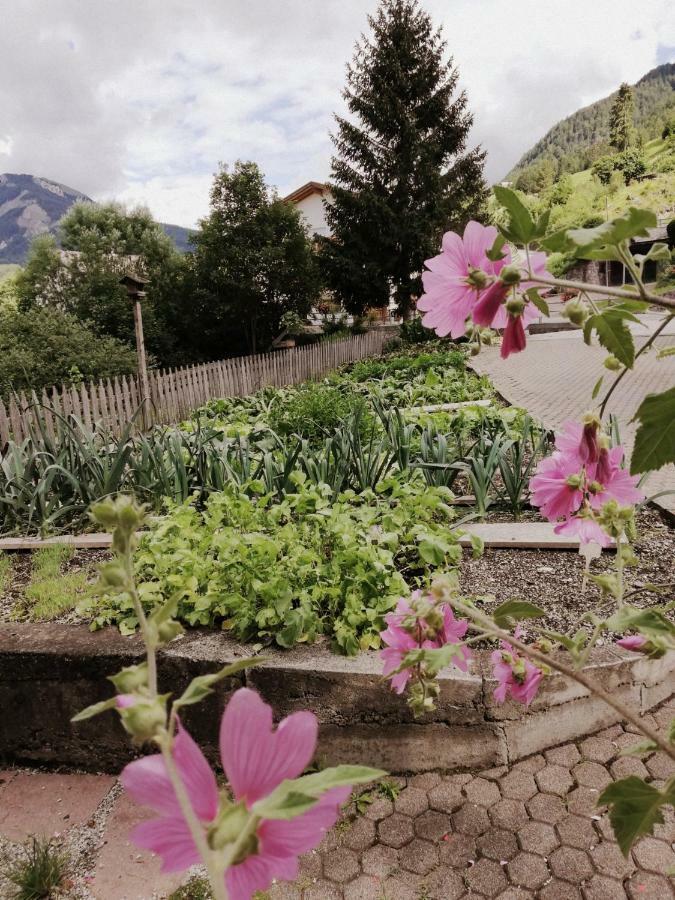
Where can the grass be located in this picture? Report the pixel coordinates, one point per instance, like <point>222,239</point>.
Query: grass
<point>5,571</point>
<point>195,889</point>
<point>52,591</point>
<point>39,871</point>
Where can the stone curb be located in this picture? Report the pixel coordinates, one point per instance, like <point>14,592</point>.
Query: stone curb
<point>49,672</point>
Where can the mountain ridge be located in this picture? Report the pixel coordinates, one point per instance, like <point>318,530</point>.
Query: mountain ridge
<point>570,140</point>
<point>31,205</point>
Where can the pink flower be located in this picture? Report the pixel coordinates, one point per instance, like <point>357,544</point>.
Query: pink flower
<point>551,489</point>
<point>517,675</point>
<point>633,642</point>
<point>407,631</point>
<point>585,528</point>
<point>514,339</point>
<point>449,291</point>
<point>256,759</point>
<point>122,701</point>
<point>616,483</point>
<point>490,304</point>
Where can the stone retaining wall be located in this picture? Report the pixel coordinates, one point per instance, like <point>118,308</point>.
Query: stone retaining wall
<point>49,672</point>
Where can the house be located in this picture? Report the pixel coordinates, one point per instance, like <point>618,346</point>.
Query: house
<point>309,200</point>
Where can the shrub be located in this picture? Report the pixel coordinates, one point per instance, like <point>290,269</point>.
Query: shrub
<point>44,347</point>
<point>314,411</point>
<point>413,332</point>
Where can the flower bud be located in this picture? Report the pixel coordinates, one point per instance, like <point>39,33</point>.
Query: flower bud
<point>510,275</point>
<point>144,719</point>
<point>574,481</point>
<point>167,631</point>
<point>575,311</point>
<point>515,306</point>
<point>474,349</point>
<point>612,363</point>
<point>228,825</point>
<point>113,575</point>
<point>131,678</point>
<point>477,278</point>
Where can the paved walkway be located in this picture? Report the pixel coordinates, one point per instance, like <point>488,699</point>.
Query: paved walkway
<point>531,830</point>
<point>553,378</point>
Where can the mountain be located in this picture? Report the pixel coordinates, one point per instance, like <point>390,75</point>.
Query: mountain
<point>30,205</point>
<point>577,140</point>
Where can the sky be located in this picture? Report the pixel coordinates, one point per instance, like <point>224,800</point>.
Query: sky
<point>141,100</point>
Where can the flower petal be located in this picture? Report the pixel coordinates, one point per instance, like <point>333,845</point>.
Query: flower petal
<point>256,758</point>
<point>303,833</point>
<point>169,838</point>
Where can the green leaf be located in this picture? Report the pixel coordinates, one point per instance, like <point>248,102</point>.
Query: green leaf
<point>535,297</point>
<point>514,611</point>
<point>652,623</point>
<point>542,225</point>
<point>521,227</point>
<point>613,334</point>
<point>95,709</point>
<point>665,351</point>
<point>597,386</point>
<point>636,222</point>
<point>294,797</point>
<point>608,583</point>
<point>558,242</point>
<point>634,809</point>
<point>658,252</point>
<point>202,685</point>
<point>655,438</point>
<point>638,749</point>
<point>495,252</point>
<point>477,546</point>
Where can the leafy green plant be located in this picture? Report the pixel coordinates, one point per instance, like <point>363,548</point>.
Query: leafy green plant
<point>481,466</point>
<point>315,411</point>
<point>39,871</point>
<point>517,462</point>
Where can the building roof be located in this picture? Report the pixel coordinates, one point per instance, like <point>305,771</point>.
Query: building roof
<point>312,187</point>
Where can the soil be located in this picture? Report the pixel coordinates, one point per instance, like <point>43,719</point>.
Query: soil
<point>552,578</point>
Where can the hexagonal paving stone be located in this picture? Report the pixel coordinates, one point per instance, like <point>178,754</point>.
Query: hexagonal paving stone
<point>508,814</point>
<point>598,749</point>
<point>322,890</point>
<point>654,855</point>
<point>602,888</point>
<point>444,884</point>
<point>627,766</point>
<point>282,890</point>
<point>531,764</point>
<point>486,877</point>
<point>365,887</point>
<point>482,791</point>
<point>528,870</point>
<point>518,785</point>
<point>399,889</point>
<point>559,890</point>
<point>644,886</point>
<point>537,837</point>
<point>360,835</point>
<point>379,860</point>
<point>570,864</point>
<point>340,865</point>
<point>457,850</point>
<point>446,797</point>
<point>546,808</point>
<point>566,756</point>
<point>608,860</point>
<point>411,802</point>
<point>471,819</point>
<point>576,831</point>
<point>380,808</point>
<point>660,766</point>
<point>554,780</point>
<point>419,856</point>
<point>432,825</point>
<point>583,801</point>
<point>425,781</point>
<point>396,831</point>
<point>497,843</point>
<point>515,893</point>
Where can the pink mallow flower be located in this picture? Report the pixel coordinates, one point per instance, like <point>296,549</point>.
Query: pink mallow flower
<point>555,486</point>
<point>416,634</point>
<point>514,339</point>
<point>256,759</point>
<point>633,642</point>
<point>450,292</point>
<point>517,675</point>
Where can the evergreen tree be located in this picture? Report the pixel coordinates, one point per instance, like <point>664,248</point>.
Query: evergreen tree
<point>621,125</point>
<point>401,175</point>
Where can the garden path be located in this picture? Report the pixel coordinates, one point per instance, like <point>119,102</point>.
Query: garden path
<point>531,830</point>
<point>554,377</point>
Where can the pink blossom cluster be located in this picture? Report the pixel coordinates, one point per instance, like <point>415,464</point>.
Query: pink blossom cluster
<point>462,282</point>
<point>583,473</point>
<point>418,624</point>
<point>517,676</point>
<point>256,759</point>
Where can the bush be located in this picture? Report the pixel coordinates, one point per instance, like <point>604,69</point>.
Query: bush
<point>668,129</point>
<point>315,411</point>
<point>46,347</point>
<point>413,332</point>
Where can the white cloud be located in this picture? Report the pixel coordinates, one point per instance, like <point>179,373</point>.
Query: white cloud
<point>141,99</point>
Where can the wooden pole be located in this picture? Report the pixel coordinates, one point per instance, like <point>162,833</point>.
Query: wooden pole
<point>142,364</point>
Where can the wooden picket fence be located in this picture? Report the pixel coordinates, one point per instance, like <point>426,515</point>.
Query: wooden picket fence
<point>175,393</point>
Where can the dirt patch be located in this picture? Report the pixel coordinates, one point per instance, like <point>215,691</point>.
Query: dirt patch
<point>552,578</point>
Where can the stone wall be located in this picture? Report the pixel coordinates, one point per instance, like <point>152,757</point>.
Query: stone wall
<point>50,672</point>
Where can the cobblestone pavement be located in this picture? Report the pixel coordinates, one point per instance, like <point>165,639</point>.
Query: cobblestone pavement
<point>529,830</point>
<point>554,377</point>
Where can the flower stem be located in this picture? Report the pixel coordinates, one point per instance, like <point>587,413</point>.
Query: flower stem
<point>150,649</point>
<point>579,676</point>
<point>607,291</point>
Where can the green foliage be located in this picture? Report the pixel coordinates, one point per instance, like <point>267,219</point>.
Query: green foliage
<point>5,571</point>
<point>253,264</point>
<point>413,332</point>
<point>401,175</point>
<point>621,115</point>
<point>290,570</point>
<point>634,808</point>
<point>196,888</point>
<point>669,129</point>
<point>39,871</point>
<point>45,346</point>
<point>537,177</point>
<point>655,438</point>
<point>315,411</point>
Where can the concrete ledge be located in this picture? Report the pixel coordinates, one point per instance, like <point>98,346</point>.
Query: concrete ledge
<point>49,672</point>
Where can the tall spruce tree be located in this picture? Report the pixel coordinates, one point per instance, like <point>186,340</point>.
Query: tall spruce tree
<point>621,124</point>
<point>402,174</point>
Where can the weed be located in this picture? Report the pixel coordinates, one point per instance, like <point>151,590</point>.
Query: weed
<point>39,871</point>
<point>48,560</point>
<point>5,572</point>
